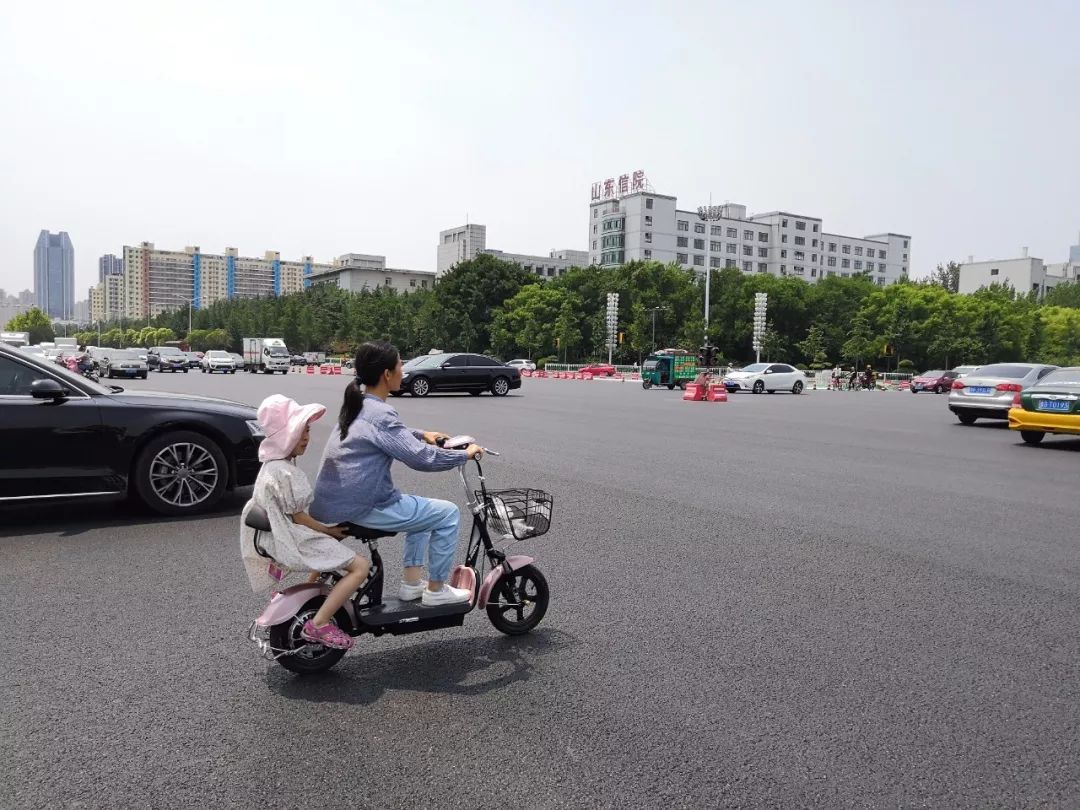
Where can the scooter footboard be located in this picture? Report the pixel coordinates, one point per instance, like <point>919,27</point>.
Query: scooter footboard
<point>286,603</point>
<point>515,562</point>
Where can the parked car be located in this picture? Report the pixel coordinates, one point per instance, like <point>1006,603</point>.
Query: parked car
<point>989,392</point>
<point>1051,405</point>
<point>771,377</point>
<point>194,359</point>
<point>963,371</point>
<point>598,369</point>
<point>522,365</point>
<point>121,363</point>
<point>65,436</point>
<point>298,360</point>
<point>166,358</point>
<point>238,360</point>
<point>939,382</point>
<point>474,373</point>
<point>218,361</point>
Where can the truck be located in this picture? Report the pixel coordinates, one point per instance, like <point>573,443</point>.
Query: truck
<point>671,368</point>
<point>266,355</point>
<point>16,339</point>
<point>314,358</point>
<point>66,343</point>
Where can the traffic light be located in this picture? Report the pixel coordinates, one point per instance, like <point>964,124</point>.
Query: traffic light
<point>556,343</point>
<point>622,335</point>
<point>707,354</point>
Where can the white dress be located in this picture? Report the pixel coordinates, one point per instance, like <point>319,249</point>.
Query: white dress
<point>282,489</point>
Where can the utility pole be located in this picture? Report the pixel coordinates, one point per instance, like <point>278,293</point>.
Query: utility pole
<point>654,310</point>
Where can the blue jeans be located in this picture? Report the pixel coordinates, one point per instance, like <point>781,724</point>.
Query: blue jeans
<point>428,524</point>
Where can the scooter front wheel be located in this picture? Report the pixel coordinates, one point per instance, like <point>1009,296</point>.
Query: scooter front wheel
<point>518,601</point>
<point>304,657</point>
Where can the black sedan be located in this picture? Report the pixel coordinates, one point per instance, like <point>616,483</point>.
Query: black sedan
<point>122,363</point>
<point>474,373</point>
<point>67,437</point>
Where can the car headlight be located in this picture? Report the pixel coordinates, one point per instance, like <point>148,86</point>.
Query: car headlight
<point>255,428</point>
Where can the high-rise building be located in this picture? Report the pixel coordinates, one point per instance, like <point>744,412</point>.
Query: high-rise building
<point>459,245</point>
<point>109,265</point>
<point>107,299</point>
<point>647,225</point>
<point>1074,252</point>
<point>54,275</point>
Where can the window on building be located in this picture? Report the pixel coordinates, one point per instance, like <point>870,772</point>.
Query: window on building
<point>845,262</point>
<point>815,227</point>
<point>412,282</point>
<point>832,261</point>
<point>699,260</point>
<point>813,258</point>
<point>648,219</point>
<point>800,240</point>
<point>387,282</point>
<point>813,273</point>
<point>681,258</point>
<point>994,271</point>
<point>648,236</point>
<point>551,271</point>
<point>762,236</point>
<point>733,233</point>
<point>880,269</point>
<point>905,257</point>
<point>594,244</point>
<point>783,237</point>
<point>783,223</point>
<point>881,254</point>
<point>681,241</point>
<point>648,202</point>
<point>783,254</point>
<point>729,263</point>
<point>858,251</point>
<point>858,264</point>
<point>595,214</point>
<point>813,243</point>
<point>748,267</point>
<point>714,261</point>
<point>748,250</point>
<point>762,267</point>
<point>832,247</point>
<point>747,234</point>
<point>684,225</point>
<point>732,247</point>
<point>800,226</point>
<point>783,269</point>
<point>905,244</point>
<point>799,254</point>
<point>699,227</point>
<point>699,244</point>
<point>763,253</point>
<point>845,248</point>
<point>716,247</point>
<point>715,230</point>
<point>799,269</point>
<point>646,253</point>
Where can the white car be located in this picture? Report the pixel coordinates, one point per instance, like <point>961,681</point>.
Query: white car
<point>218,361</point>
<point>522,365</point>
<point>758,377</point>
<point>963,371</point>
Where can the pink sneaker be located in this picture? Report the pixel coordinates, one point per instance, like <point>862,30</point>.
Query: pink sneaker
<point>328,635</point>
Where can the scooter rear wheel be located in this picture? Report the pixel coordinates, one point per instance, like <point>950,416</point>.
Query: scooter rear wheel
<point>310,657</point>
<point>518,601</point>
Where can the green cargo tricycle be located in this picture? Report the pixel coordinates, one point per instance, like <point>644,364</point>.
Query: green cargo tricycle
<point>669,370</point>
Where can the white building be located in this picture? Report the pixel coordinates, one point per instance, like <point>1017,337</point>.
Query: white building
<point>107,298</point>
<point>360,272</point>
<point>645,225</point>
<point>465,242</point>
<point>1025,274</point>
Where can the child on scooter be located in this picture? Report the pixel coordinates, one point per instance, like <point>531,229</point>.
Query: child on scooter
<point>297,541</point>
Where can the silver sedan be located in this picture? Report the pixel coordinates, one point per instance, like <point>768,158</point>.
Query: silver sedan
<point>988,392</point>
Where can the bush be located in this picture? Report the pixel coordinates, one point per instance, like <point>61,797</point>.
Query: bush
<point>543,361</point>
<point>905,365</point>
<point>801,367</point>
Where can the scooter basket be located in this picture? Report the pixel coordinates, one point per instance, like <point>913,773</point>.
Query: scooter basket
<point>517,513</point>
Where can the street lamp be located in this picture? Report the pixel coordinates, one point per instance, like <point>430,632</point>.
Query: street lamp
<point>654,310</point>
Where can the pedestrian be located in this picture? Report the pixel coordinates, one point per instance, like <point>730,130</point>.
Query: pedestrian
<point>853,380</point>
<point>297,542</point>
<point>836,372</point>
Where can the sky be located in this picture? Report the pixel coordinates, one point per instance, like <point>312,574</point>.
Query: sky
<point>324,128</point>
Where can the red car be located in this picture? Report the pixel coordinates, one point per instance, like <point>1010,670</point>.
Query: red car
<point>937,381</point>
<point>599,370</point>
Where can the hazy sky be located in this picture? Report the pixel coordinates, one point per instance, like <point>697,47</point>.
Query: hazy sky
<point>322,128</point>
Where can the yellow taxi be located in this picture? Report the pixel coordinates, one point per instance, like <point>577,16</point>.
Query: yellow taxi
<point>1052,405</point>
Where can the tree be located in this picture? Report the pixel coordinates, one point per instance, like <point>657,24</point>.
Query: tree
<point>35,322</point>
<point>1064,295</point>
<point>527,321</point>
<point>773,344</point>
<point>813,348</point>
<point>860,342</point>
<point>947,276</point>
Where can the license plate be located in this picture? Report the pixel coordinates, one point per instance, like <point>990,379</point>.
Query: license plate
<point>1052,405</point>
<point>982,390</point>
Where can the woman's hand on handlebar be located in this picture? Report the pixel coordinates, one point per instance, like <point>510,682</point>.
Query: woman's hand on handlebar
<point>474,452</point>
<point>433,437</point>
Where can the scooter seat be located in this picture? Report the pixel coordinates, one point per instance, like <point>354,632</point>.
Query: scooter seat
<point>365,533</point>
<point>257,519</point>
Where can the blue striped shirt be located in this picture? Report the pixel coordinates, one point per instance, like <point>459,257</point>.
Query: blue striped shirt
<point>354,477</point>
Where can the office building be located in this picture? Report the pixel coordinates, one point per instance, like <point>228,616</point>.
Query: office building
<point>1024,274</point>
<point>365,272</point>
<point>54,275</point>
<point>466,242</point>
<point>110,265</point>
<point>645,225</point>
<point>155,280</point>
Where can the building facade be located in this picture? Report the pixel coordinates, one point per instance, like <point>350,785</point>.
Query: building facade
<point>1026,274</point>
<point>458,245</point>
<point>544,266</point>
<point>54,275</point>
<point>644,225</point>
<point>365,272</point>
<point>155,280</point>
<point>107,299</point>
<point>110,265</point>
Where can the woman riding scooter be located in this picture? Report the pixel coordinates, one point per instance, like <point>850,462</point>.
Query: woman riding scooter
<point>354,483</point>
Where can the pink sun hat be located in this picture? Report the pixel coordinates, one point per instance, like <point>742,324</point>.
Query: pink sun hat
<point>283,421</point>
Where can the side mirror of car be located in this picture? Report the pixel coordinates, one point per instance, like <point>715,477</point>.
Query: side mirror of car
<point>47,389</point>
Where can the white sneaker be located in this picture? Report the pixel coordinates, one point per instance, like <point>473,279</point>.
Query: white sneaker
<point>410,593</point>
<point>449,595</point>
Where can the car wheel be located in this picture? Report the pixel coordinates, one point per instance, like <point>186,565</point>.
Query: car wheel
<point>759,386</point>
<point>914,390</point>
<point>420,387</point>
<point>646,384</point>
<point>397,393</point>
<point>939,390</point>
<point>181,473</point>
<point>797,387</point>
<point>770,391</point>
<point>185,371</point>
<point>1032,436</point>
<point>671,386</point>
<point>500,387</point>
<point>142,376</point>
<point>966,418</point>
<point>682,385</point>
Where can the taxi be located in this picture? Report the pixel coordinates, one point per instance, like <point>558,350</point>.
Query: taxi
<point>1052,405</point>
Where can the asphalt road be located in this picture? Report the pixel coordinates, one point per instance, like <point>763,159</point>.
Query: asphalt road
<point>832,600</point>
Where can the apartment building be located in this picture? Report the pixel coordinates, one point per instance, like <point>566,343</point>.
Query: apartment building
<point>466,242</point>
<point>367,272</point>
<point>646,225</point>
<point>107,298</point>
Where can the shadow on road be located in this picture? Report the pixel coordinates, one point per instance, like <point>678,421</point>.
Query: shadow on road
<point>462,666</point>
<point>70,518</point>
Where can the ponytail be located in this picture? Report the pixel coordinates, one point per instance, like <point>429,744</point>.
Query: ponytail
<point>372,360</point>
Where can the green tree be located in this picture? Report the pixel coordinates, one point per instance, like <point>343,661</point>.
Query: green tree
<point>947,276</point>
<point>860,342</point>
<point>813,347</point>
<point>527,321</point>
<point>1064,295</point>
<point>773,344</point>
<point>35,322</point>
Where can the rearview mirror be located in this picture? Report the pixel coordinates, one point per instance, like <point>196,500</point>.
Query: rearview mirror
<point>47,389</point>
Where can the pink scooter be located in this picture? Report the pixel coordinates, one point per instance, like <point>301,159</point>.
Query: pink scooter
<point>514,592</point>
